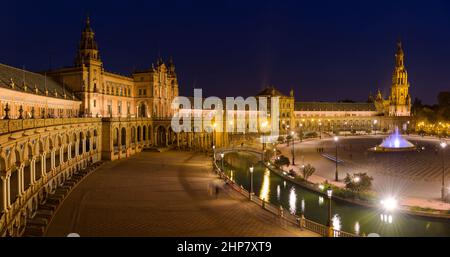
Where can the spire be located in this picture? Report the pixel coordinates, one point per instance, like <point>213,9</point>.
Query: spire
<point>399,55</point>
<point>88,48</point>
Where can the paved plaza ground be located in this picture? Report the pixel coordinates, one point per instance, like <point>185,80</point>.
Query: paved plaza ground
<point>415,177</point>
<point>162,194</point>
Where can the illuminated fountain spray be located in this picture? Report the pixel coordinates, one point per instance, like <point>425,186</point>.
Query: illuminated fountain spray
<point>394,143</point>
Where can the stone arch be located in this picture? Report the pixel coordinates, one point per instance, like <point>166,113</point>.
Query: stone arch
<point>123,139</point>
<point>142,110</point>
<point>66,145</point>
<point>133,135</point>
<point>80,143</point>
<point>88,141</point>
<point>58,145</point>
<point>161,136</point>
<point>138,134</point>
<point>115,139</point>
<point>95,139</point>
<point>28,155</point>
<point>16,161</point>
<point>144,133</point>
<point>73,145</point>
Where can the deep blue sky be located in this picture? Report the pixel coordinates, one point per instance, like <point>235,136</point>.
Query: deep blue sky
<point>325,50</point>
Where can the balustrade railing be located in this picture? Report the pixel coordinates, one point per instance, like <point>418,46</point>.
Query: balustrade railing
<point>300,221</point>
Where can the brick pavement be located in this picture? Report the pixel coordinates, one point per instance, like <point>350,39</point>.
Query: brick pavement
<point>161,194</point>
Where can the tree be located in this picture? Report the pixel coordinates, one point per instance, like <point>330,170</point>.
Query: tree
<point>307,171</point>
<point>281,161</point>
<point>358,182</point>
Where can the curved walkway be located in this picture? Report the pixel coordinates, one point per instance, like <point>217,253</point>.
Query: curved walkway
<point>162,194</point>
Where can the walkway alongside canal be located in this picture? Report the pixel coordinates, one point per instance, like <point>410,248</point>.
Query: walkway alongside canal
<point>162,194</point>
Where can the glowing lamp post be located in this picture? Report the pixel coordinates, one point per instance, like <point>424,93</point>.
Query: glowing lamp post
<point>251,183</point>
<point>336,175</point>
<point>293,148</point>
<point>329,223</point>
<point>221,157</point>
<point>214,152</point>
<point>443,146</point>
<point>375,126</point>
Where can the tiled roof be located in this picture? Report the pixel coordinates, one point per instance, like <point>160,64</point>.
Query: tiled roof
<point>329,106</point>
<point>32,80</point>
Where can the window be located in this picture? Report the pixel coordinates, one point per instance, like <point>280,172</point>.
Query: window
<point>95,103</point>
<point>119,107</point>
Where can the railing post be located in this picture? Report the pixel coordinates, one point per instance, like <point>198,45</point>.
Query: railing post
<point>281,211</point>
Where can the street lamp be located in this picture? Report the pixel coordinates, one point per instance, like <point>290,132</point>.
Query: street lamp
<point>320,130</point>
<point>443,146</point>
<point>375,126</point>
<point>329,223</point>
<point>301,132</point>
<point>336,175</point>
<point>214,152</point>
<point>251,183</point>
<point>293,148</point>
<point>221,156</point>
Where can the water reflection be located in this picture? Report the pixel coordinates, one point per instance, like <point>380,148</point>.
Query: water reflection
<point>278,192</point>
<point>357,228</point>
<point>292,201</point>
<point>265,188</point>
<point>320,200</point>
<point>303,205</point>
<point>336,220</point>
<point>386,218</point>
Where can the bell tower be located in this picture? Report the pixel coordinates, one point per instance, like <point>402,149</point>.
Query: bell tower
<point>399,99</point>
<point>87,48</point>
<point>88,59</point>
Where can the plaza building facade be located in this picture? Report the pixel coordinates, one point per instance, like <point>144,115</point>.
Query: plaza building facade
<point>55,123</point>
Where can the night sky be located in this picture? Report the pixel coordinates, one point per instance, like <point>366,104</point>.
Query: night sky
<point>325,50</point>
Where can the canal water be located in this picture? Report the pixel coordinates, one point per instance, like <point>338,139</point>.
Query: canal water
<point>346,217</point>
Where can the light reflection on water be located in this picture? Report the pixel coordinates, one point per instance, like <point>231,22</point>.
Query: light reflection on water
<point>351,218</point>
<point>386,218</point>
<point>265,188</point>
<point>357,228</point>
<point>278,192</point>
<point>336,221</point>
<point>321,200</point>
<point>292,201</point>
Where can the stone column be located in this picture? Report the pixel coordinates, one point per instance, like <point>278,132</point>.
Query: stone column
<point>43,164</point>
<point>83,146</point>
<point>4,205</point>
<point>33,170</point>
<point>8,190</point>
<point>167,139</point>
<point>52,159</point>
<point>20,180</point>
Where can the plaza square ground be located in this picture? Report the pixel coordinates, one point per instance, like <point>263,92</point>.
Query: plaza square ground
<point>162,194</point>
<point>415,176</point>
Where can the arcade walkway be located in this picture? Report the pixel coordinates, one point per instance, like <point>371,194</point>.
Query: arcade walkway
<point>161,194</point>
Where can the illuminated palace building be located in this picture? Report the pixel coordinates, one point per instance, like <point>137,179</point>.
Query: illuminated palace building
<point>56,123</point>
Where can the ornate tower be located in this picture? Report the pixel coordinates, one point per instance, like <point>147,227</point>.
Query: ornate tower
<point>399,100</point>
<point>88,59</point>
<point>87,48</point>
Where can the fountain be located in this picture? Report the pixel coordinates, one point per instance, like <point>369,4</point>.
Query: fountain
<point>394,143</point>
